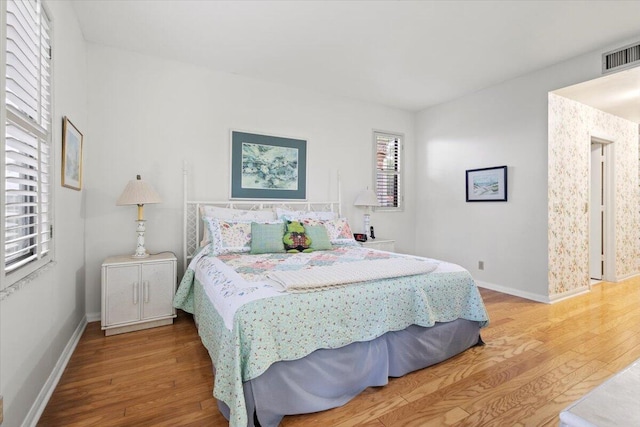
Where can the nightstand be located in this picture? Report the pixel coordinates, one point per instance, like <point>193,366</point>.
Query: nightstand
<point>380,244</point>
<point>137,293</point>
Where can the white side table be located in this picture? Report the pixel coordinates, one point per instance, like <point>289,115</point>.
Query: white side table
<point>137,293</point>
<point>380,243</point>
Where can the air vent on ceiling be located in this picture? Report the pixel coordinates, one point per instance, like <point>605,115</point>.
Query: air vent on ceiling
<point>620,59</point>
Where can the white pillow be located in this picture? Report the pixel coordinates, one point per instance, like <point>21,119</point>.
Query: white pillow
<point>285,214</point>
<point>230,213</point>
<point>207,211</point>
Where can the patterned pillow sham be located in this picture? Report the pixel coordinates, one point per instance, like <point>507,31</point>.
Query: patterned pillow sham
<point>216,212</point>
<point>339,232</point>
<point>228,236</point>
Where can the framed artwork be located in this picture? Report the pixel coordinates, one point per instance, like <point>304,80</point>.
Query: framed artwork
<point>71,156</point>
<point>487,185</point>
<point>268,167</point>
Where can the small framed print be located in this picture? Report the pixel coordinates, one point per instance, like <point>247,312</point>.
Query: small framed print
<point>487,185</point>
<point>71,155</point>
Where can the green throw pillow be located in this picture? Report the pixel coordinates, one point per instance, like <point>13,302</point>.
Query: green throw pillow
<point>266,238</point>
<point>319,237</point>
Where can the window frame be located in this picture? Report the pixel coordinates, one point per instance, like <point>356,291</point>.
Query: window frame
<point>12,280</point>
<point>399,173</point>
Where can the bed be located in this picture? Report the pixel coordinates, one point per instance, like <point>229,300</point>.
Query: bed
<point>285,340</point>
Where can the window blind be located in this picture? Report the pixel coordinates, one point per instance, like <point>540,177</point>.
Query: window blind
<point>27,134</point>
<point>388,169</point>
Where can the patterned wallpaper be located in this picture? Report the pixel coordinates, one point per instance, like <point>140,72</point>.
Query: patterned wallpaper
<point>570,127</point>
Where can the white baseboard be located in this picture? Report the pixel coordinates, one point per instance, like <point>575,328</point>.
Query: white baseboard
<point>626,276</point>
<point>514,292</point>
<point>566,295</point>
<point>50,385</point>
<point>546,299</point>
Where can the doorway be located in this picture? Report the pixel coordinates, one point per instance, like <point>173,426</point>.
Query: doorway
<point>601,204</point>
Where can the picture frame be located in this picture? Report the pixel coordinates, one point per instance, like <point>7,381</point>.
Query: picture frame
<point>268,167</point>
<point>487,184</point>
<point>72,141</point>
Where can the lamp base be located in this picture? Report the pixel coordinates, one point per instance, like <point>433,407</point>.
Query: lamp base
<point>141,252</point>
<point>367,221</point>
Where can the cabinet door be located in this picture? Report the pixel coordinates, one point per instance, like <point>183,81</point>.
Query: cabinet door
<point>158,283</point>
<point>122,293</point>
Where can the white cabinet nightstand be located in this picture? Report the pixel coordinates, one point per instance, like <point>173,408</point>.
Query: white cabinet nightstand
<point>137,293</point>
<point>380,244</point>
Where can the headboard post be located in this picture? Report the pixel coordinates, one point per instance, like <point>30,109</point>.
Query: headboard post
<point>339,195</point>
<point>184,213</point>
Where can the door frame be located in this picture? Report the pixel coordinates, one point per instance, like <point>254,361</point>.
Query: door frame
<point>609,226</point>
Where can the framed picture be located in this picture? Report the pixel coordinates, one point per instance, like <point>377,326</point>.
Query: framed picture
<point>268,167</point>
<point>487,185</point>
<point>71,156</point>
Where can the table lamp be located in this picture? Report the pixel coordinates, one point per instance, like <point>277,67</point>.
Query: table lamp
<point>138,192</point>
<point>366,198</point>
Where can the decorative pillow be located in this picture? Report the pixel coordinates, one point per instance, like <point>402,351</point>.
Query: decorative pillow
<point>319,237</point>
<point>232,214</point>
<point>295,239</point>
<point>339,232</point>
<point>310,221</point>
<point>228,236</point>
<point>285,214</point>
<point>267,238</point>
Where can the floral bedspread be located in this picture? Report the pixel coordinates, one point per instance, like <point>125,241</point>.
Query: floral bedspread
<point>272,326</point>
<point>254,267</point>
<point>235,279</point>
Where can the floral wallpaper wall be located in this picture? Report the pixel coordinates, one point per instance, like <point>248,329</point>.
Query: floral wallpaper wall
<point>570,126</point>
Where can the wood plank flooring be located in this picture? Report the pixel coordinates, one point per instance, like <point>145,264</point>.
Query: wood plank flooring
<point>538,358</point>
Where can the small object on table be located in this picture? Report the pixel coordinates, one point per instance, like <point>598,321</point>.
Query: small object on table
<point>360,237</point>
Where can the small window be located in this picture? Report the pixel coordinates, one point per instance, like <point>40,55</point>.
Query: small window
<point>388,164</point>
<point>26,138</point>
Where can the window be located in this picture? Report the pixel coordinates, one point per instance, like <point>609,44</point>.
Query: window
<point>388,149</point>
<point>26,138</point>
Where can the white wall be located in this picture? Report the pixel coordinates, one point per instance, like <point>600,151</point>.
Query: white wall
<point>147,115</point>
<point>502,125</point>
<point>39,320</point>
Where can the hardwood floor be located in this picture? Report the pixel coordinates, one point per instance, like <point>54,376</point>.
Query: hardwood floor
<point>538,358</point>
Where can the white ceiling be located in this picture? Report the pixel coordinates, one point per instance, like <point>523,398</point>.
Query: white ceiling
<point>404,54</point>
<point>617,94</point>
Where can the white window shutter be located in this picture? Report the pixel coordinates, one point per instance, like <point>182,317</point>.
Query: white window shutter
<point>388,176</point>
<point>27,137</point>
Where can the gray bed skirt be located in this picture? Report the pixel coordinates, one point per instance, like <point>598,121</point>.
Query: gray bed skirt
<point>330,378</point>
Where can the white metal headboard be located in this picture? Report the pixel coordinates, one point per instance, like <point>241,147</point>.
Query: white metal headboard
<point>192,222</point>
